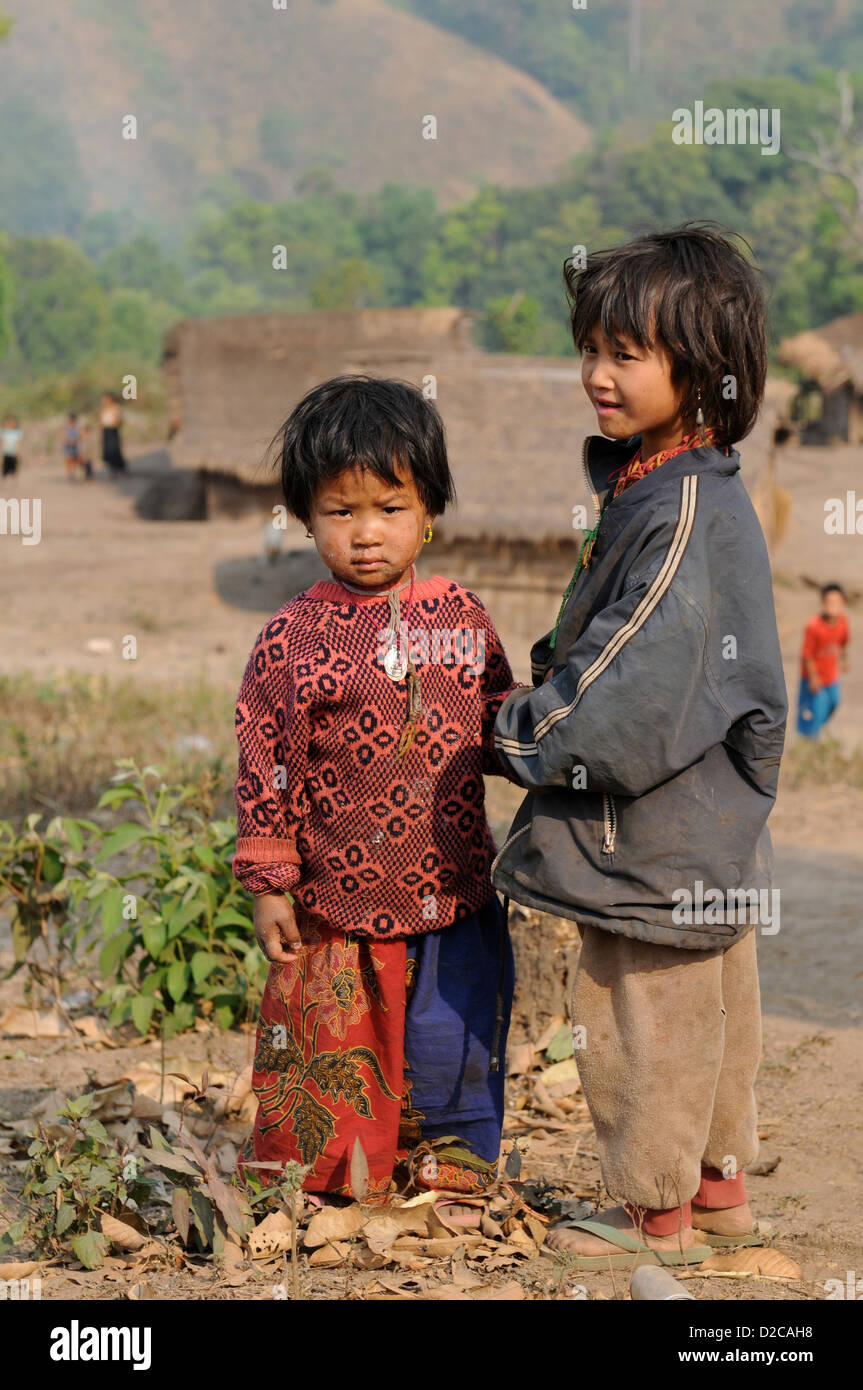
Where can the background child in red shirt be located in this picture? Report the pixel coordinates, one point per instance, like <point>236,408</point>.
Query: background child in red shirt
<point>365,723</point>
<point>825,646</point>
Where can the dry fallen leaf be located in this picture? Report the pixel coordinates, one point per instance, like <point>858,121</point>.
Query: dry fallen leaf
<point>520,1059</point>
<point>145,1108</point>
<point>147,1252</point>
<point>19,1022</point>
<point>561,1079</point>
<point>502,1261</point>
<point>147,1080</point>
<point>327,1256</point>
<point>272,1235</point>
<point>516,1234</point>
<point>122,1233</point>
<point>112,1101</point>
<point>536,1227</point>
<point>232,1254</point>
<point>436,1247</point>
<point>543,1102</point>
<point>490,1227</point>
<point>242,1101</point>
<point>367,1259</point>
<point>770,1262</point>
<point>226,1157</point>
<point>465,1278</point>
<point>91,1027</point>
<point>511,1292</point>
<point>396,1221</point>
<point>422,1199</point>
<point>141,1292</point>
<point>332,1223</point>
<point>359,1172</point>
<point>402,1283</point>
<point>554,1026</point>
<point>20,1269</point>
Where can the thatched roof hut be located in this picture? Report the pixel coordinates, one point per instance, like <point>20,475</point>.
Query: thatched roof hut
<point>831,355</point>
<point>514,424</point>
<point>830,358</point>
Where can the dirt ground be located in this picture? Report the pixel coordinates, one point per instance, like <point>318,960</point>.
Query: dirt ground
<point>194,595</point>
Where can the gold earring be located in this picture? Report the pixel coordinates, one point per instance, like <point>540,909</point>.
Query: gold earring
<point>699,418</point>
<point>428,533</point>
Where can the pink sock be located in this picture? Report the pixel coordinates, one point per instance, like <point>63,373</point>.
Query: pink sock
<point>716,1192</point>
<point>654,1221</point>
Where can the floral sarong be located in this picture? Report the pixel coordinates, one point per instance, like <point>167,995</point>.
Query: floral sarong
<point>388,1042</point>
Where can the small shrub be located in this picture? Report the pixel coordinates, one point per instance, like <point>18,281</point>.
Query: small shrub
<point>177,928</point>
<point>70,1182</point>
<point>155,896</point>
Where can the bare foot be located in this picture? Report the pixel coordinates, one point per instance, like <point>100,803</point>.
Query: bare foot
<point>458,1215</point>
<point>728,1221</point>
<point>575,1242</point>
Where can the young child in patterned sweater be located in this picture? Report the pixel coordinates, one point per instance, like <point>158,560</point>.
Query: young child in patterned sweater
<point>365,723</point>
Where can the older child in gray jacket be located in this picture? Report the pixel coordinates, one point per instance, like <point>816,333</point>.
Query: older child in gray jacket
<point>650,747</point>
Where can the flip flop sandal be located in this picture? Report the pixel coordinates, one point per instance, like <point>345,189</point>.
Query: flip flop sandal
<point>753,1237</point>
<point>632,1251</point>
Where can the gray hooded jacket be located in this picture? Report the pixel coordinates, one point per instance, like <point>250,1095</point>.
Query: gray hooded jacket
<point>651,757</point>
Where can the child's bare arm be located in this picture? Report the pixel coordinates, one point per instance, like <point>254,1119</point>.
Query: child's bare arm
<point>276,928</point>
<point>812,677</point>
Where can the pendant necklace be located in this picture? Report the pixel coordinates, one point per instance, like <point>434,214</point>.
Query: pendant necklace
<point>397,663</point>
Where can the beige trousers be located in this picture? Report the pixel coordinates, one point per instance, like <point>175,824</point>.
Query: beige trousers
<point>668,1056</point>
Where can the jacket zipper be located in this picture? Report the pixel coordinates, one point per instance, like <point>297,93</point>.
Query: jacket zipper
<point>588,479</point>
<point>609,815</point>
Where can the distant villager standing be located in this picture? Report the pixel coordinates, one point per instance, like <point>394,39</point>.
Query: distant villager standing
<point>110,420</point>
<point>71,444</point>
<point>85,460</point>
<point>11,445</point>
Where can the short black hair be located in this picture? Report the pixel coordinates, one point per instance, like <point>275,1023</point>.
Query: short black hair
<point>832,589</point>
<point>695,291</point>
<point>366,422</point>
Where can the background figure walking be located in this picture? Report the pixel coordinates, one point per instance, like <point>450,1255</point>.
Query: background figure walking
<point>110,420</point>
<point>825,647</point>
<point>11,445</point>
<point>71,444</point>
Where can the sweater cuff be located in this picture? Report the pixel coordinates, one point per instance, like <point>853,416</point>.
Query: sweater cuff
<point>266,878</point>
<point>266,866</point>
<point>259,849</point>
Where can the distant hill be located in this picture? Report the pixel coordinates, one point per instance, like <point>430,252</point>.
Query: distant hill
<point>239,98</point>
<point>623,64</point>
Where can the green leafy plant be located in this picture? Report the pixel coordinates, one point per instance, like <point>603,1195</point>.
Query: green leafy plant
<point>33,881</point>
<point>177,927</point>
<point>155,896</point>
<point>71,1182</point>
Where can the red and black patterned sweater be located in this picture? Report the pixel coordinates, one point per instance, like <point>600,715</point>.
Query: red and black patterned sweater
<point>371,845</point>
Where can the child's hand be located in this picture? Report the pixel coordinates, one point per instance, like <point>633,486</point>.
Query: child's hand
<point>549,675</point>
<point>814,685</point>
<point>276,928</point>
